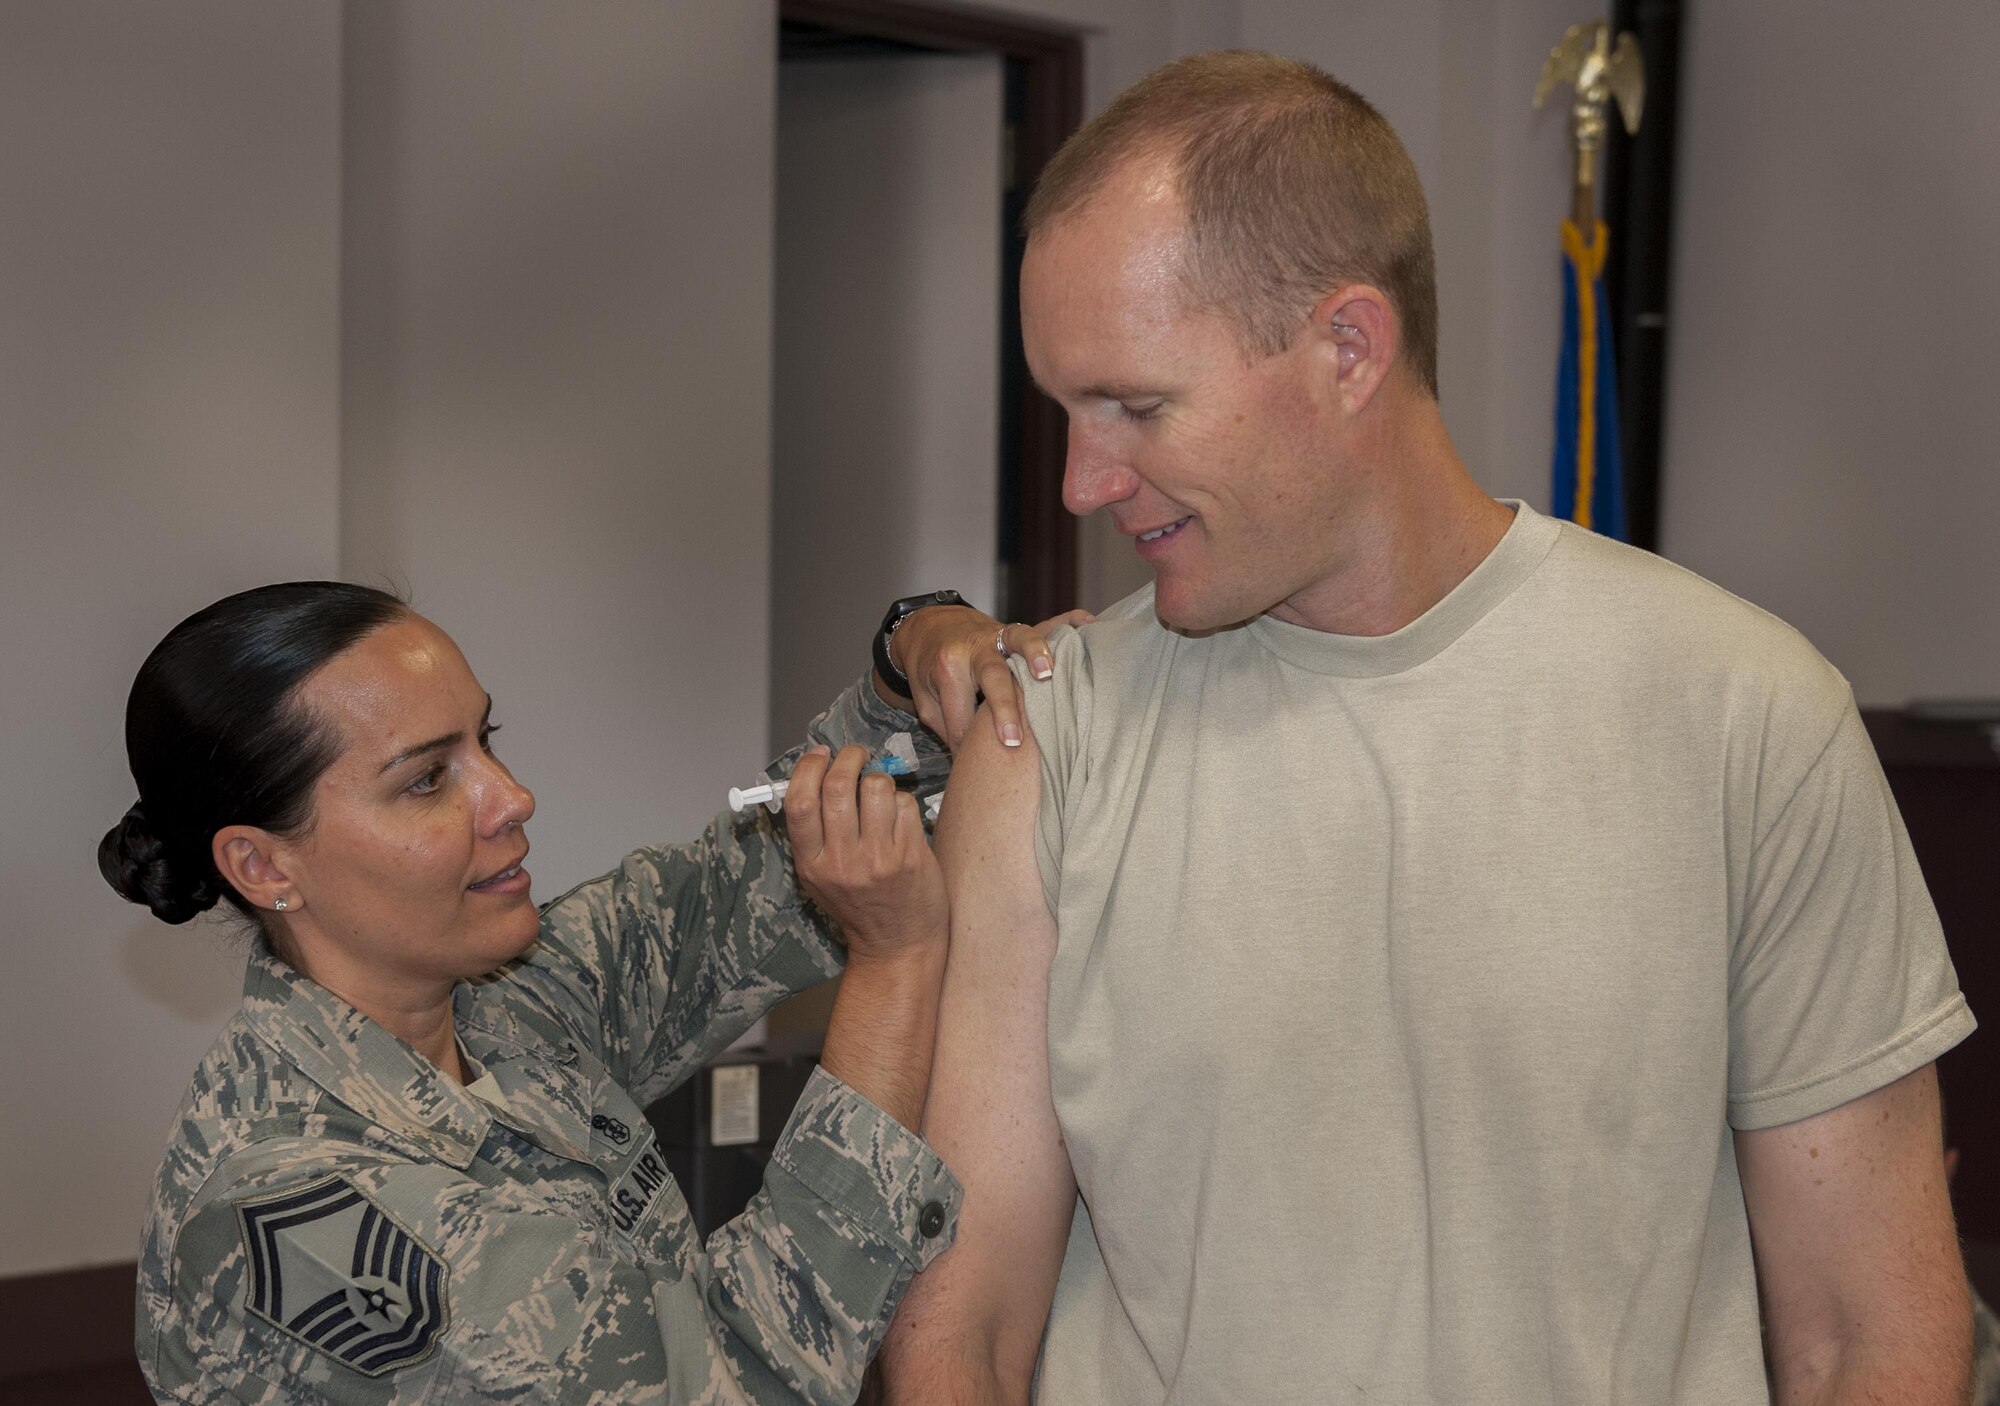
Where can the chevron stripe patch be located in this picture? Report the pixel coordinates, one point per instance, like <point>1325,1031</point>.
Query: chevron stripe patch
<point>329,1267</point>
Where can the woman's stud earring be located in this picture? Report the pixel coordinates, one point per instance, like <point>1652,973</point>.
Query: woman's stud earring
<point>279,905</point>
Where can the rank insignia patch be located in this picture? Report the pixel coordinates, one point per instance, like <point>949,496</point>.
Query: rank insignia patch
<point>329,1268</point>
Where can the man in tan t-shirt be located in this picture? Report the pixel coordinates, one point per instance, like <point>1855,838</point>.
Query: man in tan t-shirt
<point>1430,953</point>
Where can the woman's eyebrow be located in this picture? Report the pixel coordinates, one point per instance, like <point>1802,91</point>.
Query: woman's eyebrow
<point>450,739</point>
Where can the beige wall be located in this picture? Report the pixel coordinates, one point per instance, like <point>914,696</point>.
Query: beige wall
<point>1833,435</point>
<point>553,411</point>
<point>1830,442</point>
<point>169,396</point>
<point>1454,80</point>
<point>543,232</point>
<point>887,361</point>
<point>557,299</point>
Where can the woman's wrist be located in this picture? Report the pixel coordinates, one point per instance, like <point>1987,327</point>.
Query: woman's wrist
<point>884,1024</point>
<point>898,957</point>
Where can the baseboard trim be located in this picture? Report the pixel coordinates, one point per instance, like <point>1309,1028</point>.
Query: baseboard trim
<point>67,1319</point>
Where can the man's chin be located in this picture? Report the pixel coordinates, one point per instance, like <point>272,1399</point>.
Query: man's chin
<point>1189,614</point>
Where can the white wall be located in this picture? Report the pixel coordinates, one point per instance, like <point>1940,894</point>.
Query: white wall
<point>886,425</point>
<point>557,290</point>
<point>1833,435</point>
<point>169,395</point>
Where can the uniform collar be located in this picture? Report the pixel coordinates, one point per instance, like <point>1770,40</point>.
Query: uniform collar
<point>549,1088</point>
<point>360,1062</point>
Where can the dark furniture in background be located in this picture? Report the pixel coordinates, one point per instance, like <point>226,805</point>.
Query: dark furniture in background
<point>719,1178</point>
<point>1946,778</point>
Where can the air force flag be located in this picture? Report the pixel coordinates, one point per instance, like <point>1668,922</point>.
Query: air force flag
<point>329,1268</point>
<point>1589,486</point>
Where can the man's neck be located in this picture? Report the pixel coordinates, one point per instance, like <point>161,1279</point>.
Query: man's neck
<point>1418,527</point>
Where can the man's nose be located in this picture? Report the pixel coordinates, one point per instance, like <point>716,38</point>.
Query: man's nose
<point>1093,478</point>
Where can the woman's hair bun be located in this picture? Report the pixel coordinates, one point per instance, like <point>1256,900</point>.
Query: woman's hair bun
<point>134,861</point>
<point>217,736</point>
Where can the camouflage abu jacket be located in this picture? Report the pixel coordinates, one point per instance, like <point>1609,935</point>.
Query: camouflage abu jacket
<point>337,1221</point>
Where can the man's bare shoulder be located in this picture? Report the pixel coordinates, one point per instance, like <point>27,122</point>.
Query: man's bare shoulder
<point>1096,666</point>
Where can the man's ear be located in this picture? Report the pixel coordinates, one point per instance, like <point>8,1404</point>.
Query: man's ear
<point>1358,328</point>
<point>249,859</point>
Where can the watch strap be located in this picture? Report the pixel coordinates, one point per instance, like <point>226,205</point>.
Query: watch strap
<point>898,612</point>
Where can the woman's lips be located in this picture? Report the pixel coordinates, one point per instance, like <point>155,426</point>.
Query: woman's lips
<point>507,881</point>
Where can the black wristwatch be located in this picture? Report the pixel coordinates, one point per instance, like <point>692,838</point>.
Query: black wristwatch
<point>899,611</point>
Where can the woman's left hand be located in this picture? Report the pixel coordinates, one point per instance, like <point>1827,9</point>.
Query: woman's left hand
<point>952,654</point>
<point>859,852</point>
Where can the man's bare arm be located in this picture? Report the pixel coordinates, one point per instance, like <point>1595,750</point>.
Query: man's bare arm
<point>1857,1261</point>
<point>971,1328</point>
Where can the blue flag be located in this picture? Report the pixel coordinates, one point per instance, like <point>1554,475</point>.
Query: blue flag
<point>1589,479</point>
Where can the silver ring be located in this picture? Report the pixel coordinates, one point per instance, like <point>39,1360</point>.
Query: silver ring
<point>1000,643</point>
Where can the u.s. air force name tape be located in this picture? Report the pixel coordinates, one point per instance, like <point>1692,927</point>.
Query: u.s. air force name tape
<point>329,1267</point>
<point>636,1196</point>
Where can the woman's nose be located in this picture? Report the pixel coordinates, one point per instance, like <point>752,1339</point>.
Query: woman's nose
<point>506,802</point>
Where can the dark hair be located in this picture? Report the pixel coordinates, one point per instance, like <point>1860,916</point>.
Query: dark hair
<point>216,735</point>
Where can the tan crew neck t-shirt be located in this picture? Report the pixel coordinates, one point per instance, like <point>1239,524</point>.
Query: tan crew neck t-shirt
<point>1407,988</point>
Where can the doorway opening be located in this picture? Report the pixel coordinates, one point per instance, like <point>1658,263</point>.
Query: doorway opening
<point>910,447</point>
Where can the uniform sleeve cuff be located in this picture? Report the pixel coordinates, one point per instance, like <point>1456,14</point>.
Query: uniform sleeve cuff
<point>871,1169</point>
<point>860,717</point>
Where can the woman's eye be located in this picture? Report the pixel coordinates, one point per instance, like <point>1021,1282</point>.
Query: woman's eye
<point>427,784</point>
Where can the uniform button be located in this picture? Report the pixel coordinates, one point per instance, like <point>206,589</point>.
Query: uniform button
<point>931,1223</point>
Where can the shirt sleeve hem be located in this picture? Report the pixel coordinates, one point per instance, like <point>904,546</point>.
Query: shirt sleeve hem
<point>871,1170</point>
<point>1908,1050</point>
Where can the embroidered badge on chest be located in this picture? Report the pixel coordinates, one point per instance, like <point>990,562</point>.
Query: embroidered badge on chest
<point>330,1269</point>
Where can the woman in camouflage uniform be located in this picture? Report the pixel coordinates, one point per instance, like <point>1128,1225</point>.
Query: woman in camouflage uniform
<point>415,1166</point>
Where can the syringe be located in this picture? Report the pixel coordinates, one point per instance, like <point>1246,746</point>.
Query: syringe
<point>899,759</point>
<point>771,794</point>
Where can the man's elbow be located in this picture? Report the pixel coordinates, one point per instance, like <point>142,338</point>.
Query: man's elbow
<point>927,1362</point>
<point>1916,1346</point>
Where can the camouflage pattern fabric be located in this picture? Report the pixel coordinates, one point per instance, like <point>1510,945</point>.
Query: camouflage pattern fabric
<point>1985,1354</point>
<point>337,1221</point>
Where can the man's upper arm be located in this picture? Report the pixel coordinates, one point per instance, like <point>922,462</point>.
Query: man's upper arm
<point>972,1325</point>
<point>1857,1260</point>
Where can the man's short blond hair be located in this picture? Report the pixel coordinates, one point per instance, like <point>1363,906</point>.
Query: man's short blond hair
<point>1292,183</point>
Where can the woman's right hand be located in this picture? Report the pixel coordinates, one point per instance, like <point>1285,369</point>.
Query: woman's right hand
<point>859,851</point>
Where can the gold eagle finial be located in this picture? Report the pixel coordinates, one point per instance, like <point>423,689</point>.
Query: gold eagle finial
<point>1601,73</point>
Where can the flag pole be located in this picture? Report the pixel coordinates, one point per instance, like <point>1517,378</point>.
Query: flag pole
<point>1588,478</point>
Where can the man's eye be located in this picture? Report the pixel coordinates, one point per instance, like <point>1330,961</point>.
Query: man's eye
<point>427,784</point>
<point>1139,412</point>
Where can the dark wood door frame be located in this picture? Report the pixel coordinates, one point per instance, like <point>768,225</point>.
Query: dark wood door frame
<point>1042,574</point>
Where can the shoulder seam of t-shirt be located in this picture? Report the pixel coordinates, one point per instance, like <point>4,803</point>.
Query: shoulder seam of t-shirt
<point>1903,1038</point>
<point>1819,756</point>
<point>1700,580</point>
